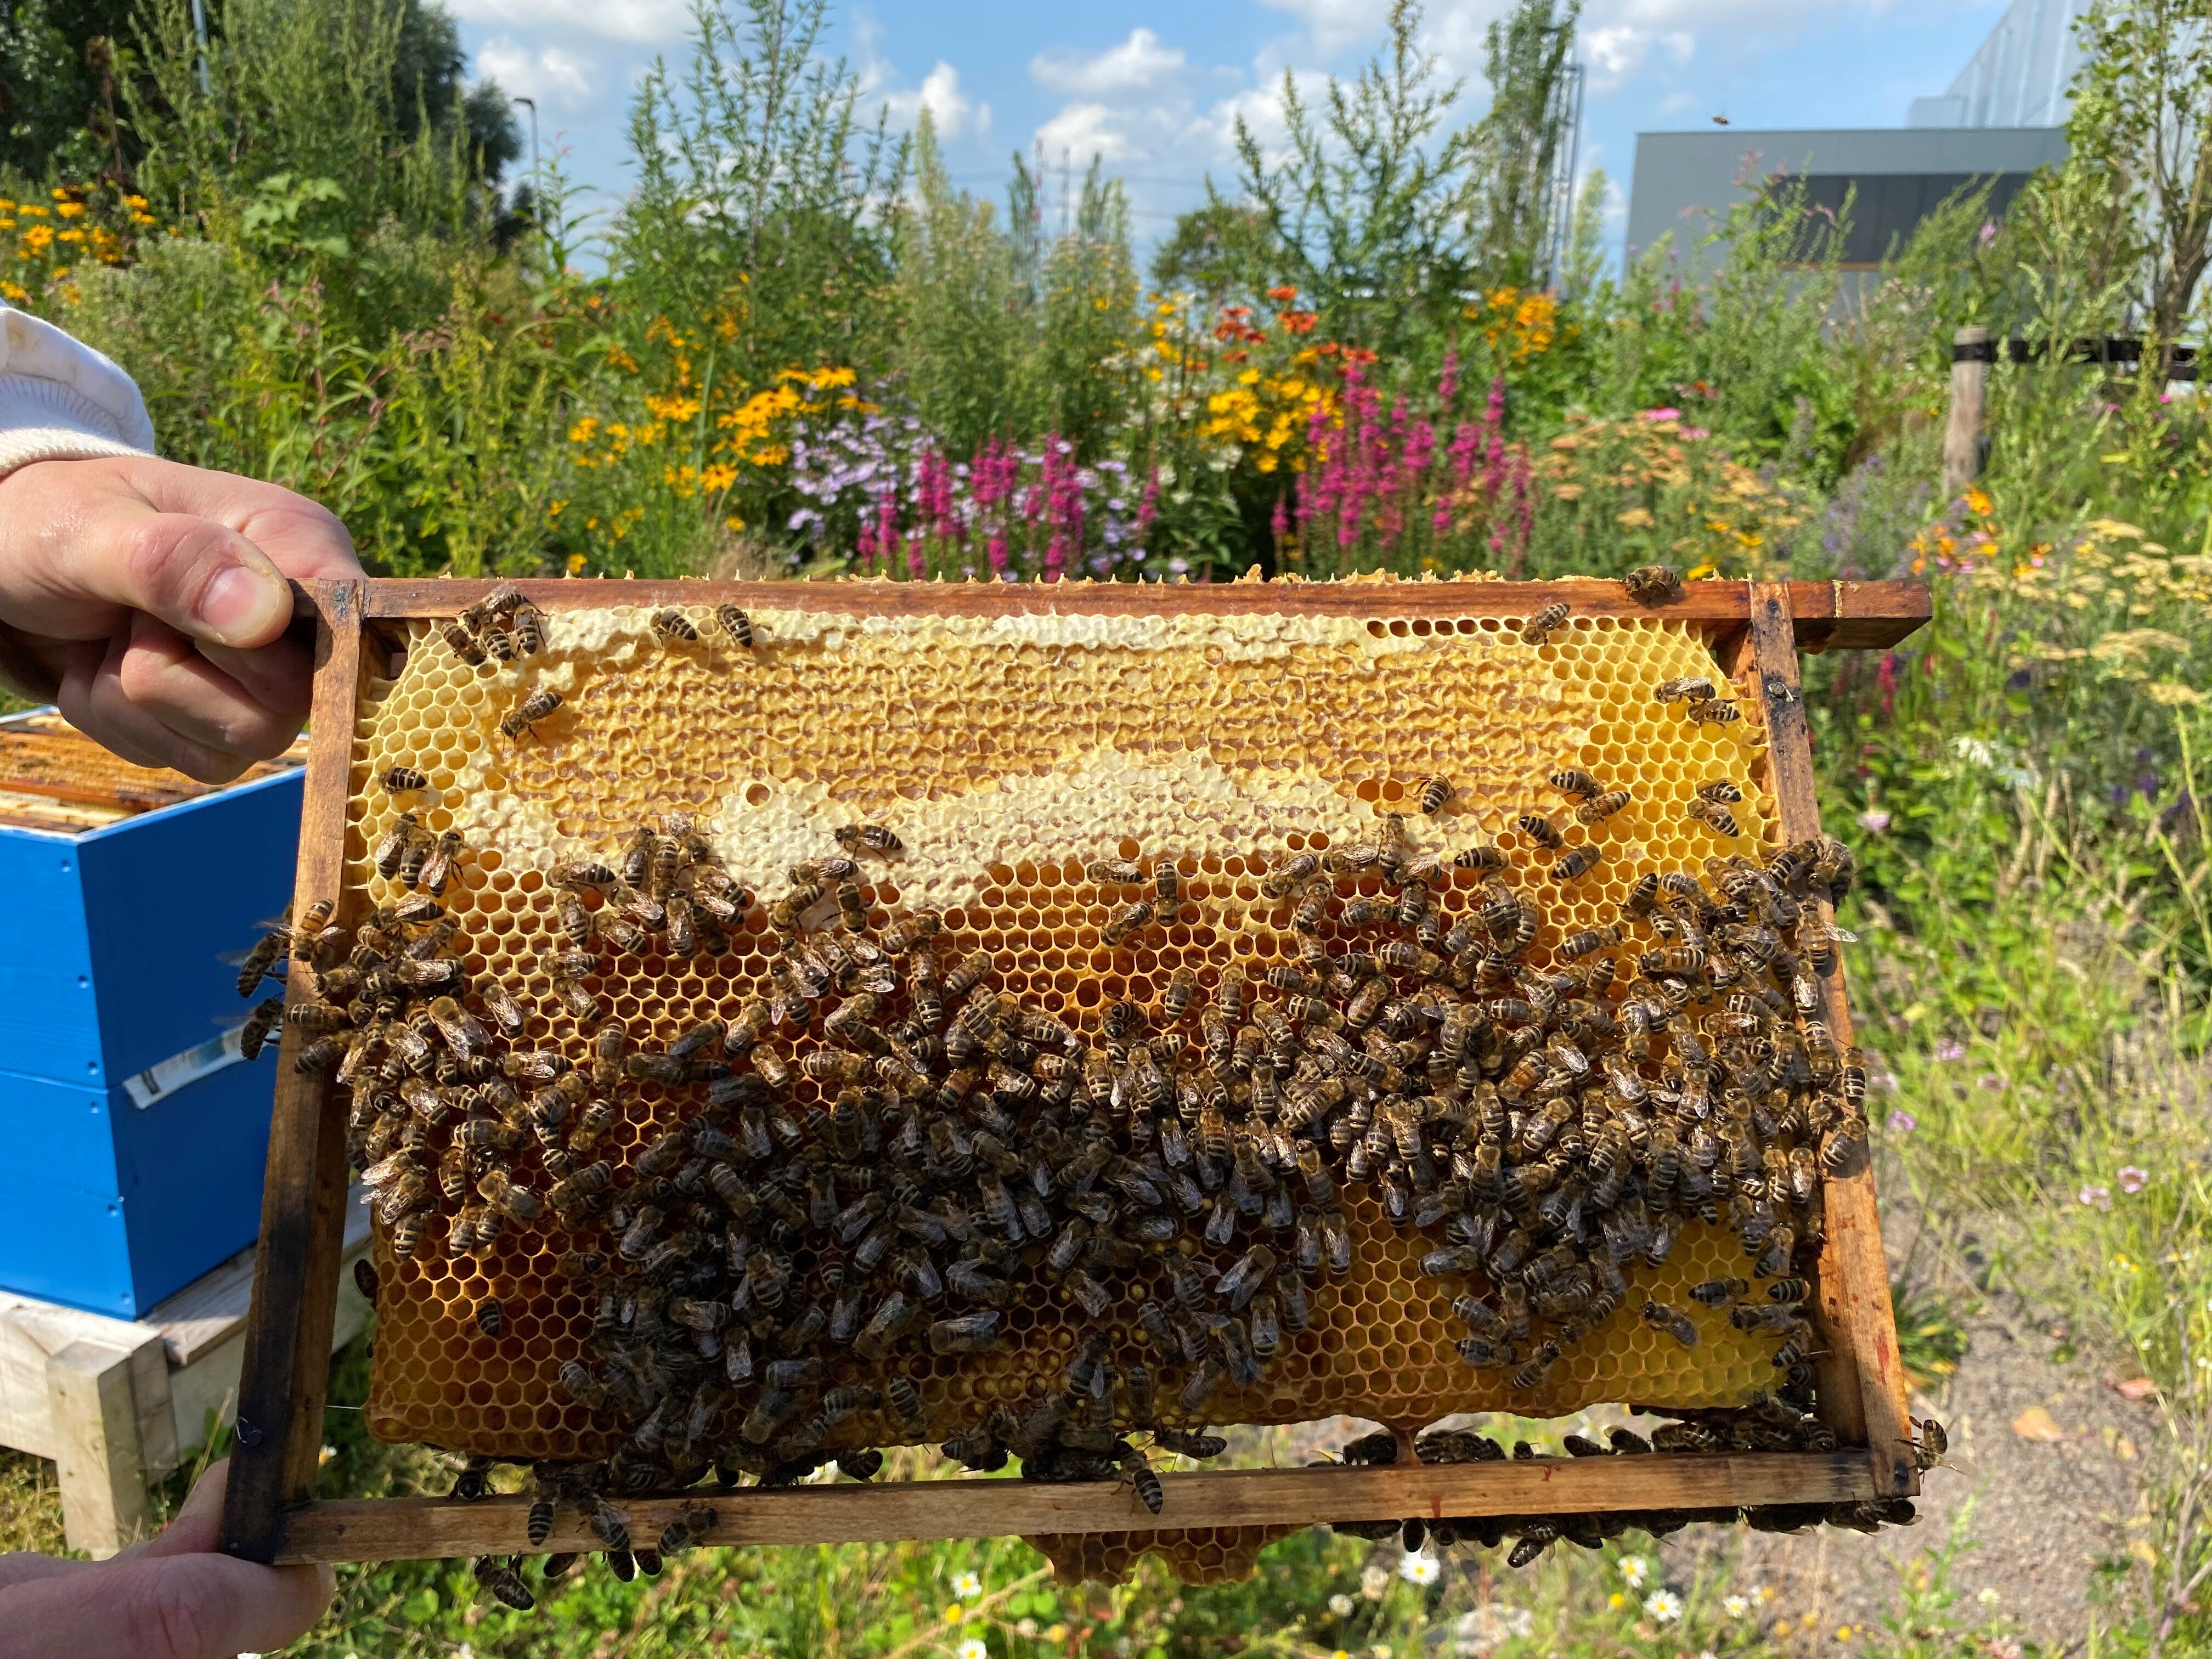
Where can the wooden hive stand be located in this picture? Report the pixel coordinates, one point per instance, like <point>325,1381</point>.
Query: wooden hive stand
<point>1755,632</point>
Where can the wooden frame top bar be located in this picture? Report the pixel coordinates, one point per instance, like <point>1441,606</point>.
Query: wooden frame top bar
<point>1830,615</point>
<point>373,1529</point>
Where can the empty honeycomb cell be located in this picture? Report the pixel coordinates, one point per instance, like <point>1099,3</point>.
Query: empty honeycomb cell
<point>1009,754</point>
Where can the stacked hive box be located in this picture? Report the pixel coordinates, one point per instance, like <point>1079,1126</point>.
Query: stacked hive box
<point>1008,752</point>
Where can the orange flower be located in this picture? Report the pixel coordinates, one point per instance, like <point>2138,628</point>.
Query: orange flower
<point>1297,322</point>
<point>1282,296</point>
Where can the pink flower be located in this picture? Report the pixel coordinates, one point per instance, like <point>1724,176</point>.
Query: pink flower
<point>1903,1122</point>
<point>1658,414</point>
<point>2097,1197</point>
<point>1874,820</point>
<point>1948,1050</point>
<point>2133,1180</point>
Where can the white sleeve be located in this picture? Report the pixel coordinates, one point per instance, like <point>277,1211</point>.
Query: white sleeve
<point>61,400</point>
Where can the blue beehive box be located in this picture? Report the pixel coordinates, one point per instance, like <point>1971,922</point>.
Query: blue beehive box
<point>134,1135</point>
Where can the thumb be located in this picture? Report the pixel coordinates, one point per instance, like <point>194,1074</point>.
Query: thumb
<point>202,578</point>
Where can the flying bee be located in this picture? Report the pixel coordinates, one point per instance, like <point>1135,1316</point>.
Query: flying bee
<point>1602,807</point>
<point>1712,711</point>
<point>1543,625</point>
<point>1435,792</point>
<point>868,838</point>
<point>261,961</point>
<point>1695,688</point>
<point>1542,830</point>
<point>527,713</point>
<point>1933,1445</point>
<point>1665,1317</point>
<point>736,625</point>
<point>1653,583</point>
<point>260,1025</point>
<point>1714,817</point>
<point>672,625</point>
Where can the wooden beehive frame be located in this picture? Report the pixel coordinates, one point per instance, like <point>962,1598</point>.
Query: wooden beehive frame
<point>1756,631</point>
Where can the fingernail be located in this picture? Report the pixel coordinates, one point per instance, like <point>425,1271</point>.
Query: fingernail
<point>244,604</point>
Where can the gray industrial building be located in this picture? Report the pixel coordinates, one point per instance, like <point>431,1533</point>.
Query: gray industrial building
<point>2001,119</point>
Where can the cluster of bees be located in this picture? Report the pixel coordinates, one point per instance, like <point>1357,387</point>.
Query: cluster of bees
<point>766,1280</point>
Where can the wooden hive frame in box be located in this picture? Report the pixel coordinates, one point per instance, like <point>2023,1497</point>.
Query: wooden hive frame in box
<point>1754,632</point>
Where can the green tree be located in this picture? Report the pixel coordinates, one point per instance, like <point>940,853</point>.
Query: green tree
<point>2142,126</point>
<point>758,183</point>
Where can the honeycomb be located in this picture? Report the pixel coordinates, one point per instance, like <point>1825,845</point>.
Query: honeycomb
<point>1008,753</point>
<point>1198,1555</point>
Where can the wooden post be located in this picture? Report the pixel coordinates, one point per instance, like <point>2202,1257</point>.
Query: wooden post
<point>1970,356</point>
<point>303,1201</point>
<point>97,1453</point>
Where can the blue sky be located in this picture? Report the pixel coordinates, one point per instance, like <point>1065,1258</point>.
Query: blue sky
<point>1154,88</point>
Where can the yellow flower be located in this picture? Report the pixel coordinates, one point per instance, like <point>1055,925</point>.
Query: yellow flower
<point>954,1613</point>
<point>575,564</point>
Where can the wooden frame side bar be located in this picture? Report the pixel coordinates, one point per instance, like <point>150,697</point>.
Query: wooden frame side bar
<point>287,1361</point>
<point>846,1513</point>
<point>1862,1387</point>
<point>1830,614</point>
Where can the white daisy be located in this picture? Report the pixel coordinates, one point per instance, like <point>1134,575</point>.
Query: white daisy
<point>1419,1569</point>
<point>972,1647</point>
<point>1634,1569</point>
<point>967,1586</point>
<point>1663,1605</point>
<point>1736,1606</point>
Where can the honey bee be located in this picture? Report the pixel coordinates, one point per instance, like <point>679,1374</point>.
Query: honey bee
<point>1542,830</point>
<point>1721,791</point>
<point>1167,887</point>
<point>529,630</point>
<point>389,853</point>
<point>1543,625</point>
<point>527,713</point>
<point>438,867</point>
<point>1576,861</point>
<point>1665,1317</point>
<point>260,1025</point>
<point>1653,583</point>
<point>1714,817</point>
<point>1694,688</point>
<point>968,973</point>
<point>1114,872</point>
<point>1538,1366</point>
<point>1602,807</point>
<point>1435,792</point>
<point>1572,781</point>
<point>672,625</point>
<point>857,838</point>
<point>462,644</point>
<point>910,931</point>
<point>1478,858</point>
<point>736,625</point>
<point>505,1583</point>
<point>1711,711</point>
<point>398,780</point>
<point>1135,917</point>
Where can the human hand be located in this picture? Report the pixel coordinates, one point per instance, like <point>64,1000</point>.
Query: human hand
<point>149,599</point>
<point>174,1598</point>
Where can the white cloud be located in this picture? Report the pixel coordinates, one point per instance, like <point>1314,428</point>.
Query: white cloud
<point>1139,64</point>
<point>558,80</point>
<point>1083,130</point>
<point>955,114</point>
<point>617,19</point>
<point>1334,24</point>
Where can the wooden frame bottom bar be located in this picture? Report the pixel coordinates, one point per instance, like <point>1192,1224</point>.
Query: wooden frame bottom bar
<point>379,1530</point>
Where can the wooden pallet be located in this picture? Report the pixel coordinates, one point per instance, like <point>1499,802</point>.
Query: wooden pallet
<point>1757,631</point>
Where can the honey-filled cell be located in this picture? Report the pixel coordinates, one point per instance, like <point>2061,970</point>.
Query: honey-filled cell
<point>1090,808</point>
